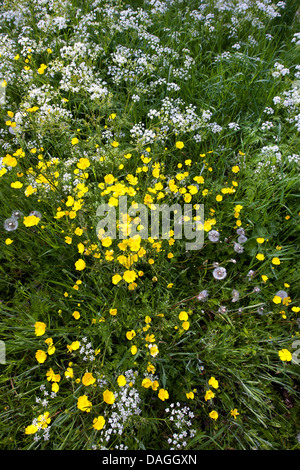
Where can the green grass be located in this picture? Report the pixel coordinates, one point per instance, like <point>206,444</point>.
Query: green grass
<point>173,60</point>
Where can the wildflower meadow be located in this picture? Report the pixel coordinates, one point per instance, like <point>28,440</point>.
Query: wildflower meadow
<point>149,224</point>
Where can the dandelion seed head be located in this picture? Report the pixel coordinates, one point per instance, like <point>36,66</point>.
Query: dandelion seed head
<point>202,295</point>
<point>238,248</point>
<point>10,224</point>
<point>17,215</point>
<point>219,273</point>
<point>235,295</point>
<point>213,236</point>
<point>242,239</point>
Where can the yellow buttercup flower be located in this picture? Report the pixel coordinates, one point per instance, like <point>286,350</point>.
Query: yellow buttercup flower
<point>116,279</point>
<point>70,201</point>
<point>146,383</point>
<point>42,69</point>
<point>80,265</point>
<point>10,161</point>
<point>163,394</point>
<point>109,179</point>
<point>209,395</point>
<point>150,368</point>
<point>153,349</point>
<point>31,429</point>
<point>107,241</point>
<point>183,316</point>
<point>121,380</point>
<point>16,184</point>
<point>31,220</point>
<point>98,423</point>
<point>80,248</point>
<point>40,356</point>
<point>179,145</point>
<point>285,355</point>
<point>108,397</point>
<point>84,404</point>
<point>83,163</point>
<point>155,385</point>
<point>130,334</point>
<point>74,346</point>
<point>213,382</point>
<point>52,377</point>
<point>88,379</point>
<point>51,347</point>
<point>129,276</point>
<point>69,374</point>
<point>234,413</point>
<point>40,328</point>
<point>150,338</point>
<point>214,415</point>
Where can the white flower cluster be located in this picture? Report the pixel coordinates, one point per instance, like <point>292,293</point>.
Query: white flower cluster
<point>180,418</point>
<point>269,110</point>
<point>272,158</point>
<point>159,7</point>
<point>179,117</point>
<point>296,39</point>
<point>268,8</point>
<point>78,77</point>
<point>234,126</point>
<point>279,70</point>
<point>142,135</point>
<point>52,24</point>
<point>125,406</point>
<point>291,102</point>
<point>86,350</point>
<point>266,126</point>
